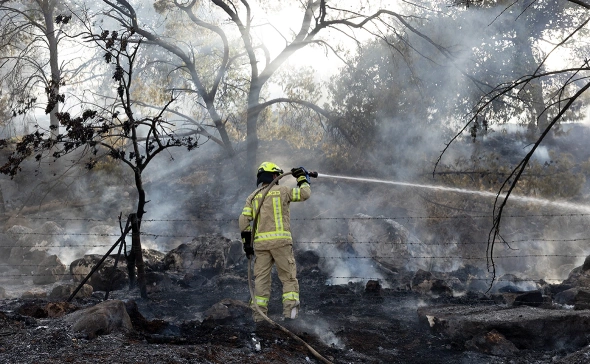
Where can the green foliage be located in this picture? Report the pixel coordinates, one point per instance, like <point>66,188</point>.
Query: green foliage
<point>558,178</point>
<point>383,106</point>
<point>293,121</point>
<point>162,6</point>
<point>509,58</point>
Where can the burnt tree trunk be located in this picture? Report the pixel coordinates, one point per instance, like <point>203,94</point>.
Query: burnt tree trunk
<point>136,251</point>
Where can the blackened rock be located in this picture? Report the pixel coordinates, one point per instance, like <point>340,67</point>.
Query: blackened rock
<point>308,263</point>
<point>509,283</point>
<point>153,260</point>
<point>440,288</point>
<point>532,298</point>
<point>373,288</point>
<point>227,311</point>
<point>578,278</point>
<point>586,265</point>
<point>206,255</point>
<point>420,276</point>
<point>102,319</point>
<point>566,297</point>
<point>391,241</point>
<point>105,278</point>
<point>50,270</point>
<point>425,282</point>
<point>308,257</point>
<point>63,291</point>
<point>558,288</point>
<point>499,299</point>
<point>579,357</point>
<point>582,300</point>
<point>453,283</point>
<point>373,291</point>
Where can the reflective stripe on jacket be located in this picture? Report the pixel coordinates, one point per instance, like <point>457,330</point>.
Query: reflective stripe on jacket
<point>274,223</point>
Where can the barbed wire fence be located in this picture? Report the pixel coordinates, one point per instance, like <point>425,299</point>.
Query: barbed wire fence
<point>341,257</point>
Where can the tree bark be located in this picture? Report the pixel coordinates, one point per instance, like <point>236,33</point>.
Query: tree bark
<point>48,8</point>
<point>251,125</point>
<point>136,248</point>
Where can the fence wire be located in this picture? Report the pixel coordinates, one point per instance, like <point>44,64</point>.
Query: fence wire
<point>345,257</point>
<point>234,220</point>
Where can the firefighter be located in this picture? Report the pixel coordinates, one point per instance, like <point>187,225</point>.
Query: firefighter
<point>272,242</point>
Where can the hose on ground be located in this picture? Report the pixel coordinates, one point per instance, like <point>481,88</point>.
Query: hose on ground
<point>266,318</point>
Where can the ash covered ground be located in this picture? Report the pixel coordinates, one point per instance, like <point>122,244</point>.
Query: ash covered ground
<point>350,323</point>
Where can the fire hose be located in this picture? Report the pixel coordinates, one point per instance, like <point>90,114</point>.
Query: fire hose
<point>265,317</point>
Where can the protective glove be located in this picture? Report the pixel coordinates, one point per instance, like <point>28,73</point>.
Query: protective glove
<point>247,241</point>
<point>301,175</point>
<point>298,172</point>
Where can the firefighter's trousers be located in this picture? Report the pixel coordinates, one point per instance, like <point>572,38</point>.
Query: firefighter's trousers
<point>284,261</point>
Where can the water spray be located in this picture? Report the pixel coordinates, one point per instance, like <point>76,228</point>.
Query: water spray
<point>525,199</point>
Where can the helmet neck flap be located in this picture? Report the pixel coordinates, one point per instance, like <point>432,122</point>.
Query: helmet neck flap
<point>265,177</point>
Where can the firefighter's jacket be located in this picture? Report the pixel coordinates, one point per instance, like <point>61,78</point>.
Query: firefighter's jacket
<point>273,228</point>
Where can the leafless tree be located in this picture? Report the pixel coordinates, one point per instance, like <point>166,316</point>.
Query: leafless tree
<point>317,17</point>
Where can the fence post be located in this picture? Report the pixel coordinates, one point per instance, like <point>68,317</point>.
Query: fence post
<point>95,268</point>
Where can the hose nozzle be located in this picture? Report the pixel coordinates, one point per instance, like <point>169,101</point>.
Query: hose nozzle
<point>313,174</point>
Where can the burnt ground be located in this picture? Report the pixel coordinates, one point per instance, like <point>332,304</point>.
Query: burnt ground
<point>344,323</point>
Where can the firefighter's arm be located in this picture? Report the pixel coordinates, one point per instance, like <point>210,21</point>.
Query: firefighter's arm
<point>303,190</point>
<point>245,217</point>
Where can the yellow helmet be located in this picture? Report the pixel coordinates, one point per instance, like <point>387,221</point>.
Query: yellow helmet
<point>269,167</point>
<point>266,171</point>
